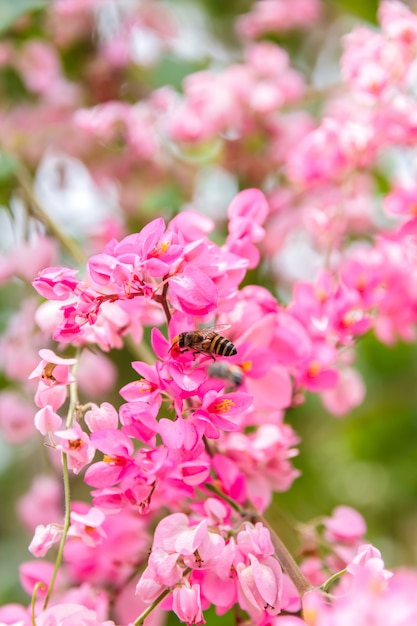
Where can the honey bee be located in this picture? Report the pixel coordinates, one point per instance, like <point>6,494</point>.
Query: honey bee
<point>233,374</point>
<point>205,341</point>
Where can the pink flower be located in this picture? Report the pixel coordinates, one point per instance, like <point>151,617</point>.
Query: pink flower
<point>54,375</point>
<point>345,524</point>
<point>47,421</point>
<point>56,283</point>
<point>39,66</point>
<point>102,418</point>
<point>42,503</point>
<point>77,446</point>
<point>15,615</point>
<point>186,603</point>
<point>88,526</point>
<point>260,586</point>
<point>69,615</point>
<point>399,23</point>
<point>217,408</point>
<point>197,544</point>
<point>16,418</point>
<point>247,213</point>
<point>368,558</point>
<point>44,538</point>
<point>117,462</point>
<point>33,572</point>
<point>53,368</point>
<point>269,16</point>
<point>96,374</point>
<point>255,540</point>
<point>193,292</point>
<point>349,393</point>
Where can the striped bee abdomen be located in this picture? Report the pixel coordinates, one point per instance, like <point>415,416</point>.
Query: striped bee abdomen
<point>222,346</point>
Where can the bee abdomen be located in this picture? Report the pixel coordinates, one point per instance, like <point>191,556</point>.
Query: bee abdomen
<point>222,346</point>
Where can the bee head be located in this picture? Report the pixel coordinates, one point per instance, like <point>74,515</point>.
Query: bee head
<point>175,345</point>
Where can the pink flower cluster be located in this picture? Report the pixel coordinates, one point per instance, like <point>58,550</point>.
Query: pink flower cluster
<point>225,569</point>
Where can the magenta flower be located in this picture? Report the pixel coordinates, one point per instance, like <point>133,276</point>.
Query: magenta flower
<point>217,408</point>
<point>56,283</point>
<point>117,460</point>
<point>193,292</point>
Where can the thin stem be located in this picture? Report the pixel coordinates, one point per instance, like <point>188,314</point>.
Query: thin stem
<point>286,560</point>
<point>24,179</point>
<point>73,403</point>
<point>283,555</point>
<point>73,389</point>
<point>330,581</point>
<point>151,607</point>
<point>139,621</point>
<point>39,585</point>
<point>67,522</point>
<point>165,303</point>
<point>233,504</point>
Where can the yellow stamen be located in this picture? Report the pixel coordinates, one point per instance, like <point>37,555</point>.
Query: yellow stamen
<point>223,406</point>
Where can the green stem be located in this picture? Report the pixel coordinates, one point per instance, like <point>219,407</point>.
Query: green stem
<point>151,607</point>
<point>330,581</point>
<point>73,403</point>
<point>233,504</point>
<point>67,522</point>
<point>24,179</point>
<point>139,620</point>
<point>38,585</point>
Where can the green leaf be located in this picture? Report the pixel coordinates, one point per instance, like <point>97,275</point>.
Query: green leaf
<point>10,10</point>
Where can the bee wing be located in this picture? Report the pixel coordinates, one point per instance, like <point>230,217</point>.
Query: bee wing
<point>217,328</point>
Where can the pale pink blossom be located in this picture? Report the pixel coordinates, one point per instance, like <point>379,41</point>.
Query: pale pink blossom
<point>96,374</point>
<point>186,603</point>
<point>42,503</point>
<point>16,418</point>
<point>44,538</point>
<point>260,586</point>
<point>345,524</point>
<point>88,526</point>
<point>269,16</point>
<point>47,421</point>
<point>77,446</point>
<point>347,395</point>
<point>103,417</point>
<point>70,614</point>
